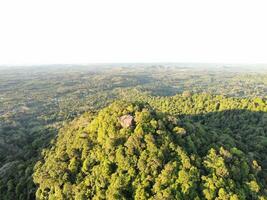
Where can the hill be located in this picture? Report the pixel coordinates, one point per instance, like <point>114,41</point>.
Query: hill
<point>36,102</point>
<point>158,154</point>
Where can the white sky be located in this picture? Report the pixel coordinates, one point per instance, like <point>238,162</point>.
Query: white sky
<point>91,31</point>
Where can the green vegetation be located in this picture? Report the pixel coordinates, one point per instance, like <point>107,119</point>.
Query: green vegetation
<point>210,108</point>
<point>159,157</point>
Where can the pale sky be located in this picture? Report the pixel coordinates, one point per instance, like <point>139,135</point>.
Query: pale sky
<point>93,31</point>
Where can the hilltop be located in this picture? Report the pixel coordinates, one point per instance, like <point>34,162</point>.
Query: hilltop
<point>156,156</point>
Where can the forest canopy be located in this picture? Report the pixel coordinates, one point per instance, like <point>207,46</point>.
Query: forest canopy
<point>214,106</point>
<point>158,156</point>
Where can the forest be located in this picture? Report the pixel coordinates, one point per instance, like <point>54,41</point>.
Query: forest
<point>133,132</point>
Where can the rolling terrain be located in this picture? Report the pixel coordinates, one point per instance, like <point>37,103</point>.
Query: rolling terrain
<point>184,118</point>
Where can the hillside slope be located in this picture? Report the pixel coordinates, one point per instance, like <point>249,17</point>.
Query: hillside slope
<point>156,155</point>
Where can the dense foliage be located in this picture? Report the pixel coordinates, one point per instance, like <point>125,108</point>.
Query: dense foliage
<point>35,102</point>
<point>160,156</point>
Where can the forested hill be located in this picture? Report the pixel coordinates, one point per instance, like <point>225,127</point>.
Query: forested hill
<point>229,104</point>
<point>181,147</point>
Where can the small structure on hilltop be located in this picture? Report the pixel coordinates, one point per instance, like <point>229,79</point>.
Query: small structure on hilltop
<point>83,135</point>
<point>126,121</point>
